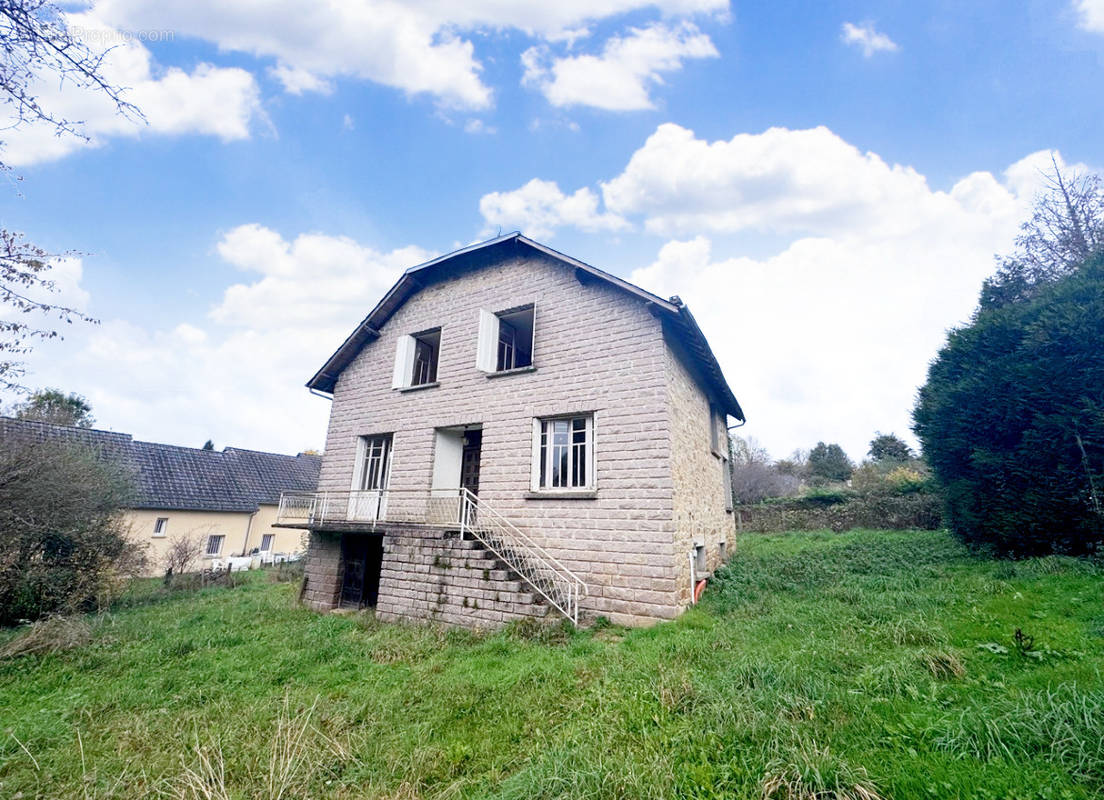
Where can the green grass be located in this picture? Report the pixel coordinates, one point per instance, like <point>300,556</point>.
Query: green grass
<point>816,666</point>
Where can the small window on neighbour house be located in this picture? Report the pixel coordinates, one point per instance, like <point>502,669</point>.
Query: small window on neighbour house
<point>266,542</point>
<point>506,339</point>
<point>214,544</point>
<point>161,526</point>
<point>564,453</point>
<point>416,358</point>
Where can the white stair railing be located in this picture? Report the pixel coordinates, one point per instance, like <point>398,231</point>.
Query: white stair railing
<point>554,582</point>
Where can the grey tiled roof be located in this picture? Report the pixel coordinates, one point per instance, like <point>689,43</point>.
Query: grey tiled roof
<point>185,478</point>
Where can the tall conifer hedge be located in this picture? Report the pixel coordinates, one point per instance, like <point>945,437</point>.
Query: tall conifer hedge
<point>1012,421</point>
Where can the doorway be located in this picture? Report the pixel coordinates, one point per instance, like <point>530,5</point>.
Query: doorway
<point>469,460</point>
<point>363,559</point>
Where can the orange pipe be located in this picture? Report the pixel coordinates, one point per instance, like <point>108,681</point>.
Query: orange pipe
<point>698,590</point>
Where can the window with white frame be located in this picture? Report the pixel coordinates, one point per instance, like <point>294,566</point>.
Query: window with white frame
<point>506,339</point>
<point>161,526</point>
<point>563,453</point>
<point>266,542</point>
<point>416,357</point>
<point>214,544</point>
<point>375,463</point>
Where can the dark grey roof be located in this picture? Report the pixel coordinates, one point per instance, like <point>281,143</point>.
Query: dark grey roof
<point>185,478</point>
<point>678,323</point>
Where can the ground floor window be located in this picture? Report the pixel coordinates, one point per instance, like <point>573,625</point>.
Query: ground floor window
<point>564,453</point>
<point>375,462</point>
<point>161,526</point>
<point>266,542</point>
<point>214,544</point>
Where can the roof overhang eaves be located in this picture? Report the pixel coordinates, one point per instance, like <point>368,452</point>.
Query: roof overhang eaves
<point>693,339</point>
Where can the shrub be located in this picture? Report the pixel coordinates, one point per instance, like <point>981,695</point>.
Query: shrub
<point>1012,421</point>
<point>916,511</point>
<point>65,543</point>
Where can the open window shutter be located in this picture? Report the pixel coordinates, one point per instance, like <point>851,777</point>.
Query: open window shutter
<point>404,362</point>
<point>534,473</point>
<point>592,476</point>
<point>533,339</point>
<point>486,357</point>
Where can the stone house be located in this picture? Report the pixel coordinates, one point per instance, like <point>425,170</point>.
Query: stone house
<point>224,502</point>
<point>514,432</point>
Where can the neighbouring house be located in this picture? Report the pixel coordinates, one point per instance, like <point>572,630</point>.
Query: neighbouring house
<point>516,433</point>
<point>225,502</point>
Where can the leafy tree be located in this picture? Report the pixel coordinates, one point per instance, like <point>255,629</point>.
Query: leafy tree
<point>208,445</point>
<point>57,408</point>
<point>39,49</point>
<point>828,462</point>
<point>65,539</point>
<point>1011,420</point>
<point>889,447</point>
<point>1066,228</point>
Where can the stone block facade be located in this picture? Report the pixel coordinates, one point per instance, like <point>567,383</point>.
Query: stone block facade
<point>597,351</point>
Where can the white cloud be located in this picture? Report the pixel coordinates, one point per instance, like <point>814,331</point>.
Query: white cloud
<point>209,100</point>
<point>867,39</point>
<point>415,46</point>
<point>539,207</point>
<point>621,77</point>
<point>830,334</point>
<point>476,126</point>
<point>1090,14</point>
<point>298,81</point>
<point>236,377</point>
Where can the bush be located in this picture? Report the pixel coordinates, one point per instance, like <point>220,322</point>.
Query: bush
<point>65,543</point>
<point>916,511</point>
<point>1012,421</point>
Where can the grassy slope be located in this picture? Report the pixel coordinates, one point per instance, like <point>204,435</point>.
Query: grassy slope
<point>808,659</point>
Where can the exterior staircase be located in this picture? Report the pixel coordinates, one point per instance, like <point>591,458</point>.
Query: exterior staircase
<point>523,559</point>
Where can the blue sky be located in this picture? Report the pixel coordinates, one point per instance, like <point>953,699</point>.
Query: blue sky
<point>825,184</point>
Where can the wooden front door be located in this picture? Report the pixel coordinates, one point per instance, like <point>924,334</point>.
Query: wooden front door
<point>469,460</point>
<point>363,558</point>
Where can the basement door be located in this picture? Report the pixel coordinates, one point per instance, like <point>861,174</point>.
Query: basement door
<point>363,558</point>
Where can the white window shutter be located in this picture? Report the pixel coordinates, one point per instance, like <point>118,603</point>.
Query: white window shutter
<point>486,358</point>
<point>534,473</point>
<point>404,362</point>
<point>592,476</point>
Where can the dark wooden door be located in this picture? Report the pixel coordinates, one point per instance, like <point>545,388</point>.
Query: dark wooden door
<point>469,460</point>
<point>363,557</point>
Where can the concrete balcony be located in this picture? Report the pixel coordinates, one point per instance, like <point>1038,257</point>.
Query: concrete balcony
<point>372,510</point>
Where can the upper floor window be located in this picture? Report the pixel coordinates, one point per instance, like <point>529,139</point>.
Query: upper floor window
<point>161,526</point>
<point>506,339</point>
<point>416,359</point>
<point>563,453</point>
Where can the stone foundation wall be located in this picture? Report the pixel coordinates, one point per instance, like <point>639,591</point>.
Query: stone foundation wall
<point>322,571</point>
<point>428,575</point>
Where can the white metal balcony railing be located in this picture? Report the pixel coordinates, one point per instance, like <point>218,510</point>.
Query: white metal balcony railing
<point>454,508</point>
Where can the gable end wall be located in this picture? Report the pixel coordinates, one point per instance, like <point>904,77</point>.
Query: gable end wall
<point>597,350</point>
